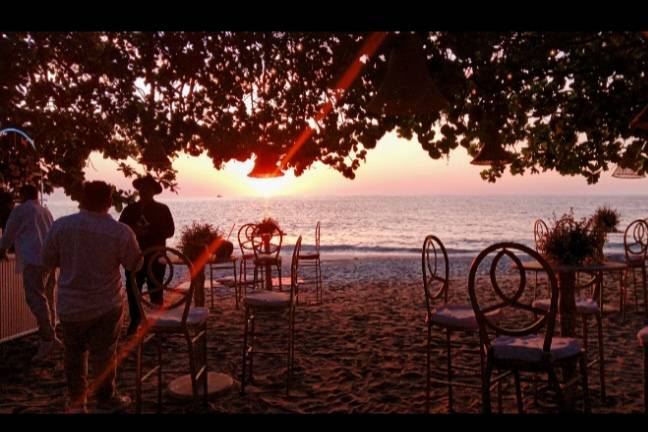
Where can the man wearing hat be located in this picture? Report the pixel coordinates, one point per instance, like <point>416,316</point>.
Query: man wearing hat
<point>153,224</point>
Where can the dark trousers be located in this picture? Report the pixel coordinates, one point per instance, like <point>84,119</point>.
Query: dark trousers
<point>141,277</point>
<point>99,337</point>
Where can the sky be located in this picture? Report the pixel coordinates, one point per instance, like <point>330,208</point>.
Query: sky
<point>395,167</point>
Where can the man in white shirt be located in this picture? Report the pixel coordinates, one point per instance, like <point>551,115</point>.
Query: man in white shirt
<point>27,227</point>
<point>89,247</point>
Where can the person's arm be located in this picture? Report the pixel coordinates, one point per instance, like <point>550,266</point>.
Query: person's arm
<point>130,254</point>
<point>50,251</point>
<point>168,226</point>
<point>9,236</point>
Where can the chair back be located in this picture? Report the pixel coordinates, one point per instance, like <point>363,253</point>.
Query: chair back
<point>540,231</point>
<point>175,295</point>
<point>635,240</point>
<point>435,267</point>
<point>317,237</point>
<point>294,272</point>
<point>517,316</point>
<point>266,243</point>
<point>245,239</point>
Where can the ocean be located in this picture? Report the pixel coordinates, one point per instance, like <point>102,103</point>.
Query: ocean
<point>386,225</point>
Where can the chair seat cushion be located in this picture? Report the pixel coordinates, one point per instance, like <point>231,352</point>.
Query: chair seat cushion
<point>309,256</point>
<point>529,348</point>
<point>267,299</point>
<point>458,316</point>
<point>172,318</point>
<point>583,306</point>
<point>642,336</point>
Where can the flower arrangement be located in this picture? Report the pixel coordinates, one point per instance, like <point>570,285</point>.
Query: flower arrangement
<point>196,238</point>
<point>571,241</point>
<point>606,219</point>
<point>268,225</point>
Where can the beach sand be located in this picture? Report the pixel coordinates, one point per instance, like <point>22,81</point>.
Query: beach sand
<point>361,351</point>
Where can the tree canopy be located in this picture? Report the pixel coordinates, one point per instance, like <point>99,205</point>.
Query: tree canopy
<point>561,101</point>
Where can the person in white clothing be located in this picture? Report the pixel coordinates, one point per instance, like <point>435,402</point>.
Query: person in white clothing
<point>27,227</point>
<point>89,248</point>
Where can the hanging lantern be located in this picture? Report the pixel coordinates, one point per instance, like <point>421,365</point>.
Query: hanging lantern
<point>265,166</point>
<point>640,121</point>
<point>626,173</point>
<point>407,88</point>
<point>492,151</point>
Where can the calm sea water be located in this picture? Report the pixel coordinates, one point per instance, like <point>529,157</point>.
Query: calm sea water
<point>364,225</point>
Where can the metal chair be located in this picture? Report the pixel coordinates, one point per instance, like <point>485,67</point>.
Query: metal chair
<point>313,260</point>
<point>635,244</point>
<point>540,231</point>
<point>247,254</point>
<point>449,318</point>
<point>642,337</point>
<point>269,303</point>
<point>266,246</point>
<point>176,317</point>
<point>510,344</point>
<point>589,305</point>
<point>217,266</point>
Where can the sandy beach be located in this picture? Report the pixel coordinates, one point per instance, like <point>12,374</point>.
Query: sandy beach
<point>361,351</point>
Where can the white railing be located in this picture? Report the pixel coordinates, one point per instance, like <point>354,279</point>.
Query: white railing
<point>16,318</point>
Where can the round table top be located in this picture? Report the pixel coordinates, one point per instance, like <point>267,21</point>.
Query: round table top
<point>604,266</point>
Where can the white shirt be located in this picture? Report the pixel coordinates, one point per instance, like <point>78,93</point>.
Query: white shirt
<point>27,227</point>
<point>89,247</point>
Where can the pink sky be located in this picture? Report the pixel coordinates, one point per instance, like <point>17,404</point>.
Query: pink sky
<point>394,167</point>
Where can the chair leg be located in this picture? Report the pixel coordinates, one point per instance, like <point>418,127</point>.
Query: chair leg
<point>553,381</point>
<point>319,280</point>
<point>449,354</point>
<point>138,380</point>
<point>289,356</point>
<point>237,288</point>
<point>206,371</point>
<point>279,272</point>
<point>599,325</point>
<point>645,290</point>
<point>645,376</point>
<point>192,366</point>
<point>245,348</point>
<point>427,364</point>
<point>586,396</point>
<point>252,338</point>
<point>518,392</point>
<point>499,397</point>
<point>159,374</point>
<point>585,338</point>
<point>486,377</point>
<point>634,287</point>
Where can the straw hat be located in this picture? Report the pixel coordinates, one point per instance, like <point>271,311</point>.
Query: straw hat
<point>149,181</point>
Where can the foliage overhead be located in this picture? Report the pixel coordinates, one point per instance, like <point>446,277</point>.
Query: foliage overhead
<point>561,101</point>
